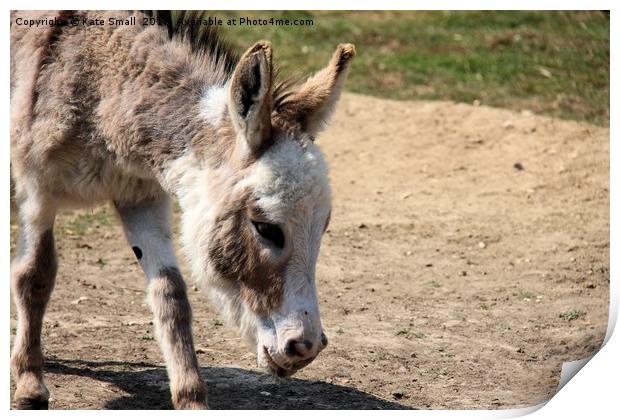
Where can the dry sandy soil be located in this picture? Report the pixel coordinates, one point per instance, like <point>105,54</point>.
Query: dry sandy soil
<point>467,258</point>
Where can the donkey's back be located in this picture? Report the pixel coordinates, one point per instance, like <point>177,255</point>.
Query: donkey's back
<point>69,89</point>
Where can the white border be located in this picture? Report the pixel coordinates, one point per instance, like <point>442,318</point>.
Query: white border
<point>592,394</point>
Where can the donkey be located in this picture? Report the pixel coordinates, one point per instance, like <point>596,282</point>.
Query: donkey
<point>138,114</point>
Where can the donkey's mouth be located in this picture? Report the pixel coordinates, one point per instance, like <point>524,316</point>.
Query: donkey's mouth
<point>283,372</point>
<point>274,368</point>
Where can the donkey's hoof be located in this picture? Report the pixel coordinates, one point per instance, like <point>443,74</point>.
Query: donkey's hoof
<point>192,397</point>
<point>191,405</point>
<point>31,404</point>
<point>31,393</point>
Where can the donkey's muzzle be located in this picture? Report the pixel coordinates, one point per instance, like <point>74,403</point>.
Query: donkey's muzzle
<point>305,350</point>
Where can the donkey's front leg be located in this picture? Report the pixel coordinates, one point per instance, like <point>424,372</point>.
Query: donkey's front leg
<point>147,227</point>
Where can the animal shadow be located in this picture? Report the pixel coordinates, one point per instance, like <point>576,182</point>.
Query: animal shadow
<point>229,388</point>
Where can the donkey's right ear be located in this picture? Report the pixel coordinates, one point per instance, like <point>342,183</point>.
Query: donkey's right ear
<point>312,104</point>
<point>250,96</point>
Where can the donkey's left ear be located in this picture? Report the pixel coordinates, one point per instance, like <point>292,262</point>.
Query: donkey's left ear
<point>315,101</point>
<point>250,96</point>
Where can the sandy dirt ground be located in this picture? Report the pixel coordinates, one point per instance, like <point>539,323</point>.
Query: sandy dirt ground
<point>467,258</point>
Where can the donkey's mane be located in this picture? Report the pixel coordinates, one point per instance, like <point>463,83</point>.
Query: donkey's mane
<point>186,25</point>
<point>205,40</point>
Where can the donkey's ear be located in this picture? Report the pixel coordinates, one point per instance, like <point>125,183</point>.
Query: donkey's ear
<point>250,95</point>
<point>314,102</point>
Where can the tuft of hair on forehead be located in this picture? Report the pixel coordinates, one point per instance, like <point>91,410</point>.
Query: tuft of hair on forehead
<point>282,119</point>
<point>283,89</point>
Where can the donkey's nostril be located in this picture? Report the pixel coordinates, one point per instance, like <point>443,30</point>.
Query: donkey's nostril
<point>296,348</point>
<point>324,340</point>
<point>308,344</point>
<point>290,349</point>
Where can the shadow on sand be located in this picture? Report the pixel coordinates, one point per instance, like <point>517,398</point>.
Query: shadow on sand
<point>229,388</point>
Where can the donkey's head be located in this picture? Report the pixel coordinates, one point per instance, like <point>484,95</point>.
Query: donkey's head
<point>254,216</point>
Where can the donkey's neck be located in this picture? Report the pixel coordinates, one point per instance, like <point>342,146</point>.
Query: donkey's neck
<point>208,159</point>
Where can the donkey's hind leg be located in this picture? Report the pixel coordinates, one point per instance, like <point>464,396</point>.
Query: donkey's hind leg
<point>147,227</point>
<point>33,273</point>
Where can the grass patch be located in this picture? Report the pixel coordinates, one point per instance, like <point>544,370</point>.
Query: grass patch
<point>526,295</point>
<point>147,338</point>
<point>125,367</point>
<point>555,63</point>
<point>402,333</point>
<point>101,262</point>
<point>82,223</point>
<point>572,315</point>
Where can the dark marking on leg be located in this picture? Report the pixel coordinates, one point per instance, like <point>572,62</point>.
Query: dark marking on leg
<point>138,252</point>
<point>149,222</point>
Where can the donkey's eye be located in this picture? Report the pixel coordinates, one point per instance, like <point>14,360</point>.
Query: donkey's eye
<point>272,233</point>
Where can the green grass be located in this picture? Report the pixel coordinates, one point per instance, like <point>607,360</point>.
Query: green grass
<point>433,284</point>
<point>81,223</point>
<point>554,63</point>
<point>526,295</point>
<point>572,314</point>
<point>402,332</point>
<point>147,338</point>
